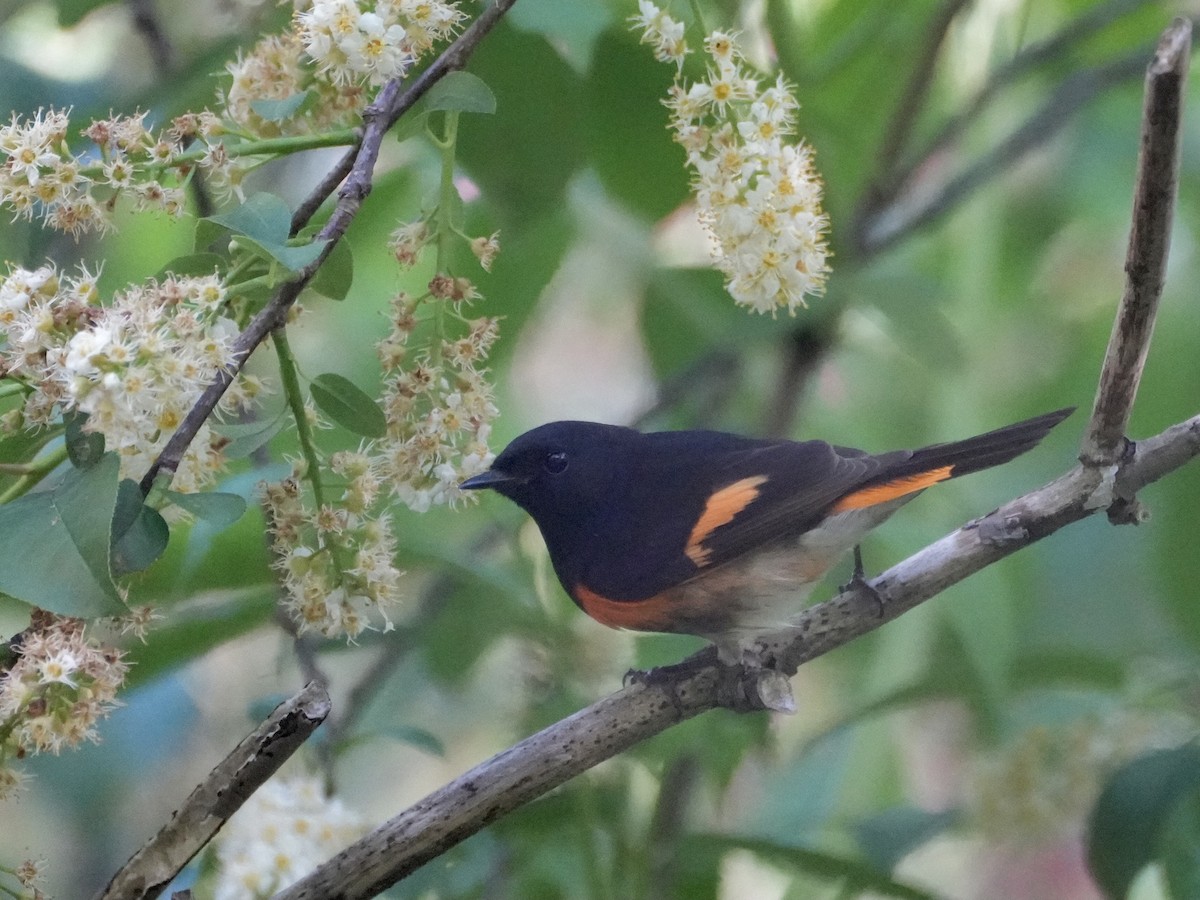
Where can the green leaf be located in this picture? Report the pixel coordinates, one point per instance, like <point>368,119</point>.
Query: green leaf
<point>461,92</point>
<point>139,533</point>
<point>1133,809</point>
<point>214,507</point>
<point>245,439</point>
<point>84,448</point>
<point>193,264</point>
<point>263,226</point>
<point>279,110</point>
<point>626,125</point>
<point>417,737</point>
<point>336,274</point>
<point>263,217</point>
<point>71,12</point>
<point>292,258</point>
<point>55,553</point>
<point>407,734</point>
<point>345,403</point>
<point>1179,847</point>
<point>209,236</point>
<point>572,28</point>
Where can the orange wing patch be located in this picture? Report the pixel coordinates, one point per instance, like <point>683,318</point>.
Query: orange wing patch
<point>891,490</point>
<point>721,509</point>
<point>652,614</point>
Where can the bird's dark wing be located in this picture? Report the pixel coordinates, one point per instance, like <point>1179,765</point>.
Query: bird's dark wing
<point>735,497</point>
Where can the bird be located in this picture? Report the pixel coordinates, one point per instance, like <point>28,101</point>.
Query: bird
<point>714,534</point>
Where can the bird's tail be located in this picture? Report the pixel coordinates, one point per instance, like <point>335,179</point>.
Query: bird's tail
<point>985,450</point>
<point>905,472</point>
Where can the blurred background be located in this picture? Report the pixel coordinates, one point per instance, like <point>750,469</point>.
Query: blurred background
<point>979,229</point>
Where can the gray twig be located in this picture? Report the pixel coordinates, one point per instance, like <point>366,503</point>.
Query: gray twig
<point>219,796</point>
<point>886,226</point>
<point>1149,242</point>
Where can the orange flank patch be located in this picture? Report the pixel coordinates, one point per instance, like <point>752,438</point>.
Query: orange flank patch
<point>891,490</point>
<point>652,614</point>
<point>721,509</point>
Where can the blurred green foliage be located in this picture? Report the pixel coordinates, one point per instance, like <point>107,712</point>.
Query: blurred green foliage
<point>998,309</point>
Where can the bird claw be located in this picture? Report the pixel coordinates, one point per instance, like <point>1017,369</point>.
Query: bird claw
<point>743,687</point>
<point>859,585</point>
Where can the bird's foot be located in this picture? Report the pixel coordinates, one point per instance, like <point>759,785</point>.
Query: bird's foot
<point>859,585</point>
<point>744,686</point>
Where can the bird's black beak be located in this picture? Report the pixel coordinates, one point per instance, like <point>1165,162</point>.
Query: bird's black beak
<point>490,479</point>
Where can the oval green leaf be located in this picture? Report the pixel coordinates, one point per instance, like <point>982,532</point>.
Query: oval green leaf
<point>246,438</point>
<point>461,92</point>
<point>139,533</point>
<point>336,274</point>
<point>84,448</point>
<point>345,403</point>
<point>214,507</point>
<point>1129,817</point>
<point>55,552</point>
<point>263,217</point>
<point>278,110</point>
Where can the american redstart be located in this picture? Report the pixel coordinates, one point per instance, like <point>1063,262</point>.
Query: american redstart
<point>712,534</point>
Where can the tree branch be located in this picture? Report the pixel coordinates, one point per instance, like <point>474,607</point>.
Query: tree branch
<point>219,796</point>
<point>1149,242</point>
<point>1052,48</point>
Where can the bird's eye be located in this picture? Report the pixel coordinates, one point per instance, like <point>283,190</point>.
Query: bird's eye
<point>555,462</point>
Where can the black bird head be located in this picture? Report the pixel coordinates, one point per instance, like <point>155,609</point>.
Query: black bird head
<point>563,468</point>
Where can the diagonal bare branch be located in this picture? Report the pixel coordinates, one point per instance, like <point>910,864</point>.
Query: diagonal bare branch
<point>886,226</point>
<point>219,796</point>
<point>907,113</point>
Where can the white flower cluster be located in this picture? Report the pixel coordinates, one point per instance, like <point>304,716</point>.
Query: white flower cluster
<point>52,696</point>
<point>284,831</point>
<point>354,42</point>
<point>757,191</point>
<point>135,367</point>
<point>275,69</point>
<point>440,408</point>
<point>39,175</point>
<point>336,562</point>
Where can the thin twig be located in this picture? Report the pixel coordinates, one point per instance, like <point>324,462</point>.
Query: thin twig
<point>1052,48</point>
<point>1149,242</point>
<point>889,225</point>
<point>324,189</point>
<point>904,119</point>
<point>149,26</point>
<point>804,350</point>
<point>219,796</point>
